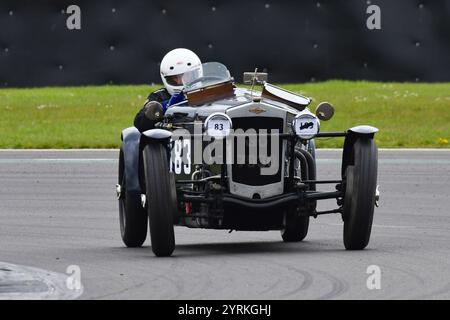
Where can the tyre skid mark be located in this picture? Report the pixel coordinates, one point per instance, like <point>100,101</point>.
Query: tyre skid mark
<point>23,282</point>
<point>308,280</point>
<point>112,294</point>
<point>338,286</point>
<point>420,280</point>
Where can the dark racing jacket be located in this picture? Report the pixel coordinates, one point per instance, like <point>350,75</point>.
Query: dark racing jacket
<point>141,122</point>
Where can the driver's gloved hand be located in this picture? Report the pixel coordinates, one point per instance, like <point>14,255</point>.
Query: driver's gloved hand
<point>154,111</point>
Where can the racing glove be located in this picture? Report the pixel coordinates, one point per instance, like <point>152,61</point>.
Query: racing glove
<point>154,111</point>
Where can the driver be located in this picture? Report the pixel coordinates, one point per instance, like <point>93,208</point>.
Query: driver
<point>174,64</point>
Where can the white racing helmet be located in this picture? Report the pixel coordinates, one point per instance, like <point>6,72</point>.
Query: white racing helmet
<point>174,64</point>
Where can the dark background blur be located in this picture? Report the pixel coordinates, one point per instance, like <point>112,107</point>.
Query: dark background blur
<point>122,42</point>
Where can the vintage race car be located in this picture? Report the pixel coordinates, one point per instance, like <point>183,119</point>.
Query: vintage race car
<point>239,159</point>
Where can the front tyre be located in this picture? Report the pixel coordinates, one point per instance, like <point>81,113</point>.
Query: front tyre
<point>359,202</point>
<point>132,216</point>
<point>160,193</point>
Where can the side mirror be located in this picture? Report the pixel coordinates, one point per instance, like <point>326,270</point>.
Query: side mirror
<point>324,111</point>
<point>256,77</point>
<point>154,111</point>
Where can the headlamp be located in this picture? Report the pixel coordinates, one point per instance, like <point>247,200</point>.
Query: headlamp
<point>306,125</point>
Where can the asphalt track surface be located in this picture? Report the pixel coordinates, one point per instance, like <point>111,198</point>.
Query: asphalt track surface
<point>59,209</point>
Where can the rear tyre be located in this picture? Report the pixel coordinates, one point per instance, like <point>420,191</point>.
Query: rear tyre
<point>132,216</point>
<point>161,204</point>
<point>312,148</point>
<point>359,202</point>
<point>296,228</point>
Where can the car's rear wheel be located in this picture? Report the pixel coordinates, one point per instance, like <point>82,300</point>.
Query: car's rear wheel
<point>132,216</point>
<point>296,228</point>
<point>360,187</point>
<point>161,198</point>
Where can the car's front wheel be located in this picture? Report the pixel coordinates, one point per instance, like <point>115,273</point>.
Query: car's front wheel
<point>360,188</point>
<point>161,198</point>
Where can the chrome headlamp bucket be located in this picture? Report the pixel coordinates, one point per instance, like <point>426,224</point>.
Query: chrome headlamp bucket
<point>306,125</point>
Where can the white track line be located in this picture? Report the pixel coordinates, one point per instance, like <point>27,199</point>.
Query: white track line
<point>58,150</point>
<point>57,161</point>
<point>112,161</point>
<point>375,226</point>
<point>319,149</point>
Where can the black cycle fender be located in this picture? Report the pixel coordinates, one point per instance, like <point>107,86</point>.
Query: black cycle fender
<point>131,139</point>
<point>358,132</point>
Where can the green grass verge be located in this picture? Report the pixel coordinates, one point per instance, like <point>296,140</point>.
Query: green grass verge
<point>407,114</point>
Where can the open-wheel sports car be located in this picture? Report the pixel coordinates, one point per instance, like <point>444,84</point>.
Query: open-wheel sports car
<point>239,159</point>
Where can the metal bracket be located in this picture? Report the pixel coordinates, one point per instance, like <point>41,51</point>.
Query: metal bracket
<point>118,191</point>
<point>377,196</point>
<point>143,200</point>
